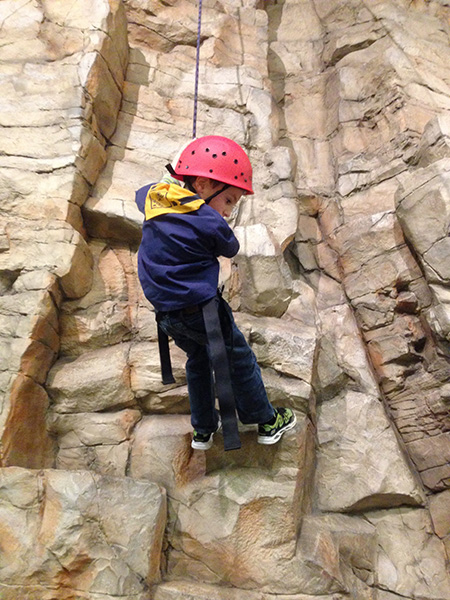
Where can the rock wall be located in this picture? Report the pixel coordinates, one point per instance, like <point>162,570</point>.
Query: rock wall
<point>341,286</point>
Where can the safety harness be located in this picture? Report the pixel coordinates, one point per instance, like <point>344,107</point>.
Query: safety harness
<point>167,197</point>
<point>161,201</point>
<point>220,366</point>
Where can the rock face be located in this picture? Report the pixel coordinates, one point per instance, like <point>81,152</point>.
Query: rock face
<point>342,287</point>
<point>75,532</point>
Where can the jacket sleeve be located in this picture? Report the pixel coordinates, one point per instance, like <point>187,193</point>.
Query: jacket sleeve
<point>226,243</point>
<point>140,197</point>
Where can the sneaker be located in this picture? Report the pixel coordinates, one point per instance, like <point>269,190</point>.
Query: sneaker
<point>204,441</point>
<point>270,434</point>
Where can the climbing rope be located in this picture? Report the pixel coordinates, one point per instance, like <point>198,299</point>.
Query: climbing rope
<point>219,358</point>
<point>197,62</point>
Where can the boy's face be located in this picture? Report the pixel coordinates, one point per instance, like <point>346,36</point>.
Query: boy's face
<point>223,203</point>
<point>226,201</point>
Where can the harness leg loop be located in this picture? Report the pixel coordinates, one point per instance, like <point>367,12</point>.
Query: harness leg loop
<point>222,377</point>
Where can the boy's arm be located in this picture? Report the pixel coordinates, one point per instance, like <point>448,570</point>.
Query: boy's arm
<point>140,197</point>
<point>226,243</point>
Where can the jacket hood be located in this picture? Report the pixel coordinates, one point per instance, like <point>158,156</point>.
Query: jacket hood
<point>164,198</point>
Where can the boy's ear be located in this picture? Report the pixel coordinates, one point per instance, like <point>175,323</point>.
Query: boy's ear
<point>200,184</point>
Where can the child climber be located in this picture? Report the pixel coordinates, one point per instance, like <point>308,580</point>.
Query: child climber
<point>183,234</point>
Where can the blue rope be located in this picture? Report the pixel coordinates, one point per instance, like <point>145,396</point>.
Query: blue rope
<point>199,29</point>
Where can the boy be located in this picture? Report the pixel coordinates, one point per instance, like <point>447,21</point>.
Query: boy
<point>183,234</point>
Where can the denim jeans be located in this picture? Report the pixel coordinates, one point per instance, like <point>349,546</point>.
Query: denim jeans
<point>188,332</point>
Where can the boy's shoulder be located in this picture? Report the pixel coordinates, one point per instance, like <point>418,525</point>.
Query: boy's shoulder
<point>164,197</point>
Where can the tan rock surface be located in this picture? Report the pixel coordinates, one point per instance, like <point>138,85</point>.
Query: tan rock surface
<point>343,269</point>
<point>48,128</point>
<point>260,506</point>
<point>351,429</point>
<point>94,381</point>
<point>79,533</point>
<point>401,571</point>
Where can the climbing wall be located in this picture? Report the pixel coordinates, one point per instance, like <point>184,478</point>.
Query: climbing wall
<point>341,287</point>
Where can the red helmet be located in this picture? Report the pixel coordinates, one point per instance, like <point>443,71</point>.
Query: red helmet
<point>218,158</point>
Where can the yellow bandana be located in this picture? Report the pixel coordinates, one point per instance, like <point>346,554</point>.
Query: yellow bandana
<point>163,198</point>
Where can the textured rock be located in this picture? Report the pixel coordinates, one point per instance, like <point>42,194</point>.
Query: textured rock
<point>104,311</point>
<point>343,110</point>
<point>145,371</point>
<point>231,547</point>
<point>423,208</point>
<point>265,285</point>
<point>351,428</point>
<point>440,518</point>
<point>96,441</point>
<point>285,346</point>
<point>342,359</point>
<point>94,381</point>
<point>161,451</point>
<point>202,539</point>
<point>80,533</point>
<point>26,441</point>
<point>401,571</point>
<point>52,133</point>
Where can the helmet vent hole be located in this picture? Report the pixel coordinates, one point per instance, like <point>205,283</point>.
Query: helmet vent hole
<point>214,155</point>
<point>224,153</point>
<point>206,149</point>
<point>187,167</point>
<point>193,152</point>
<point>235,176</point>
<point>211,171</point>
<point>242,174</point>
<point>236,161</point>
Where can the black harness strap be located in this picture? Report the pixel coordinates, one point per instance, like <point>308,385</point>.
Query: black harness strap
<point>191,189</point>
<point>220,366</point>
<point>225,187</point>
<point>164,358</point>
<point>222,377</point>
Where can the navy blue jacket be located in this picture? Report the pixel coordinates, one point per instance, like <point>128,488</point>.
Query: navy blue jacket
<point>177,258</point>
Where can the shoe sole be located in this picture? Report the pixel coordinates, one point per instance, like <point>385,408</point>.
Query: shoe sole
<point>268,441</point>
<point>202,445</point>
<point>206,445</point>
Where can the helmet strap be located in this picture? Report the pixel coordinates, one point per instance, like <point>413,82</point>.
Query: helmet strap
<point>190,187</point>
<point>225,187</point>
<point>171,170</point>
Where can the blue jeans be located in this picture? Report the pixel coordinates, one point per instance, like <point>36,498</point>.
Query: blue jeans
<point>188,332</point>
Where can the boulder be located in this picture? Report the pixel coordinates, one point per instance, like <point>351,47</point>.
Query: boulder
<point>283,345</point>
<point>94,381</point>
<point>99,442</point>
<point>401,571</point>
<point>351,428</point>
<point>79,533</point>
<point>265,284</point>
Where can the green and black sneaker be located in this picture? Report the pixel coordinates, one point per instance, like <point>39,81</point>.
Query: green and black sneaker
<point>204,441</point>
<point>271,432</point>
